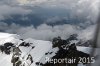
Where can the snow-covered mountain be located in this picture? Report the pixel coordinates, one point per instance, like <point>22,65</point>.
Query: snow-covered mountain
<point>27,52</point>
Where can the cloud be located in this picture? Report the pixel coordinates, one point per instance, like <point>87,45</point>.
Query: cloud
<point>6,10</point>
<point>73,9</point>
<point>88,9</point>
<point>9,2</point>
<point>55,19</point>
<point>42,32</point>
<point>11,7</point>
<point>53,10</point>
<point>46,32</point>
<point>87,33</point>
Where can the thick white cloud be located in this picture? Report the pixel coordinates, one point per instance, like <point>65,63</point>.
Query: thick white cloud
<point>46,32</point>
<point>43,32</point>
<point>87,33</point>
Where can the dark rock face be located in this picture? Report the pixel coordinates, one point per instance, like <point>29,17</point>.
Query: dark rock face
<point>2,48</point>
<point>67,50</point>
<point>69,53</point>
<point>6,48</point>
<point>39,64</point>
<point>25,44</point>
<point>58,42</point>
<point>17,60</point>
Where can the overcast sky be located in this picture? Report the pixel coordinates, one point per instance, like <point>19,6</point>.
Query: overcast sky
<point>46,19</point>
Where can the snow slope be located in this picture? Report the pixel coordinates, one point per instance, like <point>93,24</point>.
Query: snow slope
<point>37,49</point>
<point>5,37</point>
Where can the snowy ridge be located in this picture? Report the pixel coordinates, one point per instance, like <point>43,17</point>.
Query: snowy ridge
<point>40,47</point>
<point>29,51</point>
<point>5,37</point>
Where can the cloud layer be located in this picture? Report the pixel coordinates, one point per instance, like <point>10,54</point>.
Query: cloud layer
<point>46,32</point>
<point>71,9</point>
<point>10,7</point>
<point>86,11</point>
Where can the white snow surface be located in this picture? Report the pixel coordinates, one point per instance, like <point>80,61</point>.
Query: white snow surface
<point>6,37</point>
<point>38,52</point>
